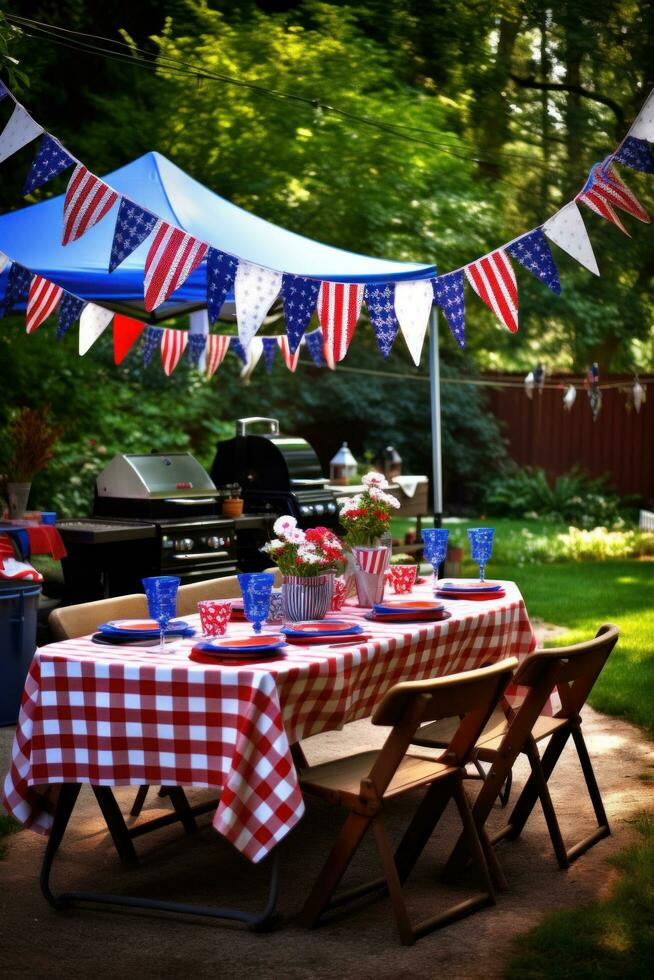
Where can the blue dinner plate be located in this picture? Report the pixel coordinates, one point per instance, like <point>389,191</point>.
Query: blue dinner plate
<point>245,646</point>
<point>467,586</point>
<point>323,629</point>
<point>126,627</point>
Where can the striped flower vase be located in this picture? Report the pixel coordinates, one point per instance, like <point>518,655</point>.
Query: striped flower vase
<point>306,597</point>
<point>370,574</point>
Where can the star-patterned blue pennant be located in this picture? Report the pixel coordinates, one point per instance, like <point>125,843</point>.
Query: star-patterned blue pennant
<point>195,347</point>
<point>448,294</point>
<point>270,347</point>
<point>636,154</point>
<point>3,91</point>
<point>70,309</point>
<point>533,252</point>
<point>151,343</point>
<point>18,286</point>
<point>133,225</point>
<point>380,300</point>
<point>221,269</point>
<point>51,159</point>
<point>314,342</point>
<point>237,347</point>
<point>299,296</point>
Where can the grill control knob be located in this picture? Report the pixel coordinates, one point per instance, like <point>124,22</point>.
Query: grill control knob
<point>331,508</point>
<point>320,508</point>
<point>184,544</point>
<point>306,509</point>
<point>214,541</point>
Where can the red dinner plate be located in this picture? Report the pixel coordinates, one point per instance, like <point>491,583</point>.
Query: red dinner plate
<point>231,660</point>
<point>417,617</point>
<point>473,596</point>
<point>326,640</point>
<point>243,644</point>
<point>143,625</point>
<point>321,627</point>
<point>400,605</point>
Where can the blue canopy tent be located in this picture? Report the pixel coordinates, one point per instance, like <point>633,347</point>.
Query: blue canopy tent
<point>32,237</point>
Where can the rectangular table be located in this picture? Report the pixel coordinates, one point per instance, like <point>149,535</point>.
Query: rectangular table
<point>112,716</point>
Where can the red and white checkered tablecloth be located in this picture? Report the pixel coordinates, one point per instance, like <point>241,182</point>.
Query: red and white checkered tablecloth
<point>119,715</point>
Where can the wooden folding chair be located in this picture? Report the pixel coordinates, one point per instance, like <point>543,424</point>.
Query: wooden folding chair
<point>364,783</point>
<point>572,672</point>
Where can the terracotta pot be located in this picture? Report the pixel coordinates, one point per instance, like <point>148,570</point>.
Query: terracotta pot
<point>306,597</point>
<point>232,507</point>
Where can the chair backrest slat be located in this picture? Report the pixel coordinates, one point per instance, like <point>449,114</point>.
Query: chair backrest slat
<point>68,622</point>
<point>227,587</point>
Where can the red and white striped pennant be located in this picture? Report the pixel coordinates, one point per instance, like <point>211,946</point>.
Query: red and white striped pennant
<point>290,360</point>
<point>217,347</point>
<point>339,305</point>
<point>608,190</point>
<point>493,279</point>
<point>87,201</point>
<point>42,299</point>
<point>173,256</point>
<point>173,345</point>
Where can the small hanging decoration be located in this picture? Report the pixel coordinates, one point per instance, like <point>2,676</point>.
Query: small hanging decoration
<point>569,397</point>
<point>592,386</point>
<point>635,395</point>
<point>539,377</point>
<point>529,385</point>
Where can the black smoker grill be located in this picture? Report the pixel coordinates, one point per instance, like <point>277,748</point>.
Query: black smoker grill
<point>277,474</point>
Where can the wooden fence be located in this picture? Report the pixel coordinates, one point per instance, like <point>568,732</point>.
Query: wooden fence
<point>541,433</point>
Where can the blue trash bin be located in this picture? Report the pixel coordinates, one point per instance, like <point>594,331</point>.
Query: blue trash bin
<point>19,603</point>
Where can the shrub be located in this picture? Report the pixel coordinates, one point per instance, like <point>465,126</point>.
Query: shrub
<point>575,497</point>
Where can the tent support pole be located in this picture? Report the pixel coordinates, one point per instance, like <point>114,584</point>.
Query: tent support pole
<point>435,401</point>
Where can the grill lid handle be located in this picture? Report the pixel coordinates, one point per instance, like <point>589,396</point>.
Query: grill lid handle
<point>242,425</point>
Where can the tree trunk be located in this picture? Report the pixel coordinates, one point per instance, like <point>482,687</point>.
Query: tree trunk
<point>492,105</point>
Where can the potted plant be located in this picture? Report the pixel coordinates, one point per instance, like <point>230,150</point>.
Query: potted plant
<point>366,518</point>
<point>232,504</point>
<point>31,438</point>
<point>308,561</point>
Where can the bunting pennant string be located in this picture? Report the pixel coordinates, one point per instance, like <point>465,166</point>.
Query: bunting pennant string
<point>173,345</point>
<point>70,309</point>
<point>255,291</point>
<point>604,190</point>
<point>133,225</point>
<point>197,343</point>
<point>270,347</point>
<point>314,342</point>
<point>127,331</point>
<point>151,343</point>
<point>290,358</point>
<point>237,348</point>
<point>173,256</point>
<point>41,301</point>
<point>221,269</point>
<point>449,295</point>
<point>51,160</point>
<point>20,130</point>
<point>493,279</point>
<point>88,200</point>
<point>380,301</point>
<point>299,296</point>
<point>567,230</point>
<point>217,346</point>
<point>637,155</point>
<point>339,306</point>
<point>93,321</point>
<point>534,254</point>
<point>413,303</point>
<point>18,284</point>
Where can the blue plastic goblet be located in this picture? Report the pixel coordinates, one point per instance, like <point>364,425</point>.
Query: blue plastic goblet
<point>435,541</point>
<point>161,593</point>
<point>256,588</point>
<point>481,546</point>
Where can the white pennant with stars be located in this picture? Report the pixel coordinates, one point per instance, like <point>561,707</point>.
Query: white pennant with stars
<point>643,127</point>
<point>255,350</point>
<point>255,291</point>
<point>93,321</point>
<point>567,230</point>
<point>413,303</point>
<point>19,131</point>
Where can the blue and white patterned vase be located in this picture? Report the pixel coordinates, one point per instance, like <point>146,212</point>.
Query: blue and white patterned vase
<point>306,597</point>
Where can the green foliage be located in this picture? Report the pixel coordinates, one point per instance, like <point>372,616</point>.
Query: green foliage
<point>575,498</point>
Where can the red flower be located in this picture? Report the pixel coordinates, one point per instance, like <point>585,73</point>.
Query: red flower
<point>381,515</point>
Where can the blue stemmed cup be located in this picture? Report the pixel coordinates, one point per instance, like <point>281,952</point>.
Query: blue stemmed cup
<point>435,541</point>
<point>161,593</point>
<point>481,546</point>
<point>256,588</point>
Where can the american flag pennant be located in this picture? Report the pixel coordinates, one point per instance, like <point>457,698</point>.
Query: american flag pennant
<point>339,306</point>
<point>270,348</point>
<point>314,342</point>
<point>93,321</point>
<point>380,300</point>
<point>221,269</point>
<point>449,295</point>
<point>151,343</point>
<point>217,347</point>
<point>51,160</point>
<point>127,331</point>
<point>196,345</point>
<point>290,358</point>
<point>534,254</point>
<point>173,256</point>
<point>173,345</point>
<point>604,190</point>
<point>237,348</point>
<point>41,301</point>
<point>70,309</point>
<point>636,154</point>
<point>493,279</point>
<point>643,127</point>
<point>255,291</point>
<point>19,131</point>
<point>133,225</point>
<point>413,303</point>
<point>566,229</point>
<point>299,296</point>
<point>88,199</point>
<point>18,285</point>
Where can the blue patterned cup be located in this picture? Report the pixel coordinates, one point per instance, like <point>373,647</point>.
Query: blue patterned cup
<point>275,610</point>
<point>256,588</point>
<point>481,546</point>
<point>161,593</point>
